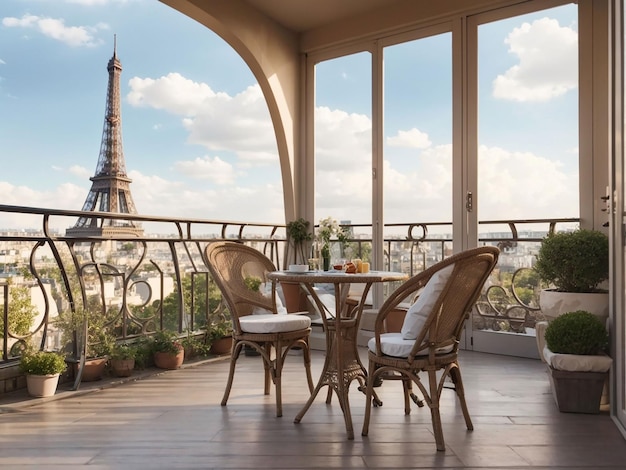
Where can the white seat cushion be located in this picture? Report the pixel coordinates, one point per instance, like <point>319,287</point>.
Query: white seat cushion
<point>274,323</point>
<point>392,344</point>
<point>419,311</point>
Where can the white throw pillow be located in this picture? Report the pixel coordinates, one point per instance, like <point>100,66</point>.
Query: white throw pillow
<point>419,311</point>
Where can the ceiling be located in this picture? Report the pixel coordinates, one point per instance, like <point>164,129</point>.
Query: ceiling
<point>305,15</point>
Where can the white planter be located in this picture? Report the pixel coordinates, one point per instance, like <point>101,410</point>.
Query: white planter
<point>555,303</point>
<point>42,385</point>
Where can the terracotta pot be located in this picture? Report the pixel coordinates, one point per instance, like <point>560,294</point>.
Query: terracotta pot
<point>165,360</point>
<point>122,367</point>
<point>222,345</point>
<point>295,298</point>
<point>94,369</point>
<point>42,385</point>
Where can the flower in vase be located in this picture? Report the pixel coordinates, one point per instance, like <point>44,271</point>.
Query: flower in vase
<point>329,229</point>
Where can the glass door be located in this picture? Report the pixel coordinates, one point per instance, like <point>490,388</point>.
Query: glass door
<point>526,159</point>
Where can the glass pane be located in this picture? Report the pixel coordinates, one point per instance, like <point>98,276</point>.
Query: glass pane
<point>418,151</point>
<point>527,152</point>
<point>343,147</point>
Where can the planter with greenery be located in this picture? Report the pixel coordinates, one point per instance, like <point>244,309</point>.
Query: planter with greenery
<point>122,359</point>
<point>298,235</point>
<point>98,342</point>
<point>42,369</point>
<point>167,350</point>
<point>195,345</point>
<point>574,265</point>
<point>575,351</point>
<point>220,334</point>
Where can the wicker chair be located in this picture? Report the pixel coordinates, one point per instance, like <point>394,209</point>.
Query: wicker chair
<point>237,270</point>
<point>444,294</point>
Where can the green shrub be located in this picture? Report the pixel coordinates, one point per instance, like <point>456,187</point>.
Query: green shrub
<point>123,351</point>
<point>578,332</point>
<point>166,341</point>
<point>574,261</point>
<point>42,363</point>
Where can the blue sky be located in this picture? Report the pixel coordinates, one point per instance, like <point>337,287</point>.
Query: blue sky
<point>197,137</point>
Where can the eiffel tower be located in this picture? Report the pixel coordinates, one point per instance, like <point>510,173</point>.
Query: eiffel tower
<point>110,189</point>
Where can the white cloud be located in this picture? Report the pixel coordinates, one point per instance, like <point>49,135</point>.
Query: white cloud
<point>80,171</point>
<point>154,195</point>
<point>213,169</point>
<point>548,62</point>
<point>524,185</point>
<point>216,121</point>
<point>74,36</point>
<point>413,138</point>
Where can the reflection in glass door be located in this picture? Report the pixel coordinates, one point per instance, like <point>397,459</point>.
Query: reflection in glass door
<point>527,161</point>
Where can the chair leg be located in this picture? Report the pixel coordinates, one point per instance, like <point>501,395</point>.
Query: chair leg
<point>434,410</point>
<point>277,375</point>
<point>306,354</point>
<point>369,391</point>
<point>267,365</point>
<point>408,391</point>
<point>455,375</point>
<point>231,373</point>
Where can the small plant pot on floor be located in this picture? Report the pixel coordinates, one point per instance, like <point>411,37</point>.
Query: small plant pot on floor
<point>122,367</point>
<point>42,385</point>
<point>222,345</point>
<point>166,360</point>
<point>94,369</point>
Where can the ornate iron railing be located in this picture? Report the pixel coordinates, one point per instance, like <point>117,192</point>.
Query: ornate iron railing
<point>143,284</point>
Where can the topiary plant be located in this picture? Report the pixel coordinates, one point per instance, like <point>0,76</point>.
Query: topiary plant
<point>574,261</point>
<point>578,332</point>
<point>42,363</point>
<point>298,234</point>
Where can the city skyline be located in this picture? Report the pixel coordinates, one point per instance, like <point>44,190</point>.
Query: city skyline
<point>198,140</point>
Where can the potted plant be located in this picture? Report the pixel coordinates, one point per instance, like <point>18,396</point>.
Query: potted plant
<point>573,265</point>
<point>575,351</point>
<point>195,346</point>
<point>220,334</point>
<point>122,359</point>
<point>167,350</point>
<point>98,342</point>
<point>42,369</point>
<point>297,235</point>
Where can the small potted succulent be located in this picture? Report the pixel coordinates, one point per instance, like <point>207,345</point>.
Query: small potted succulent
<point>167,349</point>
<point>42,369</point>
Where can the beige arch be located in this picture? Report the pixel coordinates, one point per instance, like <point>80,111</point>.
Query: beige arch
<point>272,54</point>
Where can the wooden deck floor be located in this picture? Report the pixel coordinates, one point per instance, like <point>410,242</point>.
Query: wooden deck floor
<point>174,420</point>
